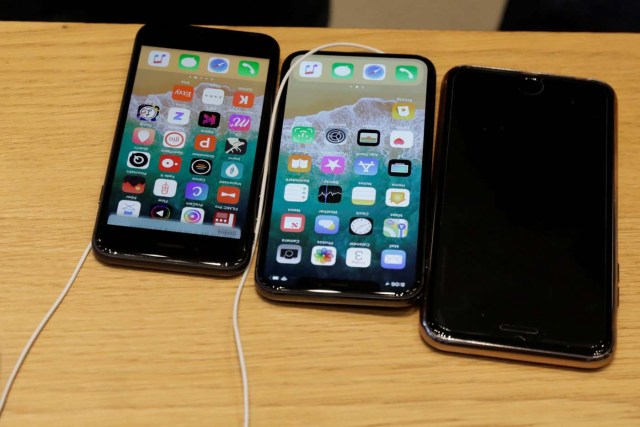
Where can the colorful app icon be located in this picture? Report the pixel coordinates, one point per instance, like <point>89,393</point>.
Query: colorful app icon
<point>403,110</point>
<point>212,96</point>
<point>368,137</point>
<point>358,257</point>
<point>296,192</point>
<point>374,72</point>
<point>289,254</point>
<point>192,215</point>
<point>303,134</point>
<point>165,187</point>
<point>204,142</point>
<point>397,197</point>
<point>239,122</point>
<point>401,139</point>
<point>395,227</point>
<point>201,167</point>
<point>182,93</point>
<point>196,191</point>
<point>310,69</point>
<point>160,211</point>
<point>363,196</point>
<point>332,164</point>
<point>231,170</point>
<point>299,163</point>
<point>292,223</point>
<point>148,112</point>
<point>393,259</point>
<point>224,218</point>
<point>138,160</point>
<point>209,119</point>
<point>143,136</point>
<point>341,70</point>
<point>360,226</point>
<point>329,194</point>
<point>178,116</point>
<point>235,146</point>
<point>169,163</point>
<point>228,194</point>
<point>128,208</point>
<point>365,166</point>
<point>406,73</point>
<point>133,184</point>
<point>336,136</point>
<point>248,68</point>
<point>188,61</point>
<point>327,224</point>
<point>323,255</point>
<point>159,58</point>
<point>174,139</point>
<point>399,167</point>
<point>218,65</point>
<point>243,99</point>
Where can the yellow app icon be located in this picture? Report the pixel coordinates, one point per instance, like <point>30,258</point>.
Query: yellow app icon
<point>299,163</point>
<point>404,110</point>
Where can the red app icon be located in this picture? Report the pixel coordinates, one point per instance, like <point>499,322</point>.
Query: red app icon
<point>228,194</point>
<point>243,99</point>
<point>143,136</point>
<point>169,163</point>
<point>182,93</point>
<point>133,184</point>
<point>224,218</point>
<point>204,142</point>
<point>292,223</point>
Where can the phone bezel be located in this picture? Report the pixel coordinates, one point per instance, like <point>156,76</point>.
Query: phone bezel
<point>443,338</point>
<point>347,296</point>
<point>179,251</point>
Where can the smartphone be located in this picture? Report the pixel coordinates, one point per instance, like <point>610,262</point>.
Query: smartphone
<point>523,252</point>
<point>346,202</point>
<point>180,191</point>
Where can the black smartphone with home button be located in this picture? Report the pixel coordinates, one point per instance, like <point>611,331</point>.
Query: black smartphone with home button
<point>181,187</point>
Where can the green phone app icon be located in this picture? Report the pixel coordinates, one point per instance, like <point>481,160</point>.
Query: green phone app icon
<point>305,134</point>
<point>407,73</point>
<point>342,70</point>
<point>189,62</point>
<point>248,68</point>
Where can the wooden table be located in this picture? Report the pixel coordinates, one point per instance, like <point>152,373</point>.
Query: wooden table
<point>133,347</point>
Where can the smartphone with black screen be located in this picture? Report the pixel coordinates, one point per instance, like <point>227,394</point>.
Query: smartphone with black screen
<point>523,252</point>
<point>345,216</point>
<point>180,192</point>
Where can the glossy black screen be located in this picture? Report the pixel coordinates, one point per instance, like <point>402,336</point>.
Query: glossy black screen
<point>524,232</point>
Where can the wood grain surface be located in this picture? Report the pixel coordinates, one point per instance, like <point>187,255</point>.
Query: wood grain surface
<point>139,348</point>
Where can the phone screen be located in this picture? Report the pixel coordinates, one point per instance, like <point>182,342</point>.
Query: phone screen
<point>524,236</point>
<point>189,143</point>
<point>347,193</point>
<point>188,150</point>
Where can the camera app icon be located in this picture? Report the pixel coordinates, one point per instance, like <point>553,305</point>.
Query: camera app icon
<point>289,254</point>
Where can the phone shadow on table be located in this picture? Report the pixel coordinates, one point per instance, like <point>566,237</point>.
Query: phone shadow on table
<point>348,308</point>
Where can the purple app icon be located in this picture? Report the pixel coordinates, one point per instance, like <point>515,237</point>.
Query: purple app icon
<point>239,122</point>
<point>196,191</point>
<point>332,164</point>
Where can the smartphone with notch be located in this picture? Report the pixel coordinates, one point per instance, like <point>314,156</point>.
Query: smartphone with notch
<point>523,252</point>
<point>346,202</point>
<point>180,191</point>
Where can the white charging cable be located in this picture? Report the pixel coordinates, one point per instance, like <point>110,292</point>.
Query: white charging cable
<point>236,303</point>
<point>36,332</point>
<point>265,172</point>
